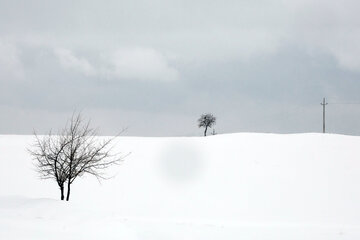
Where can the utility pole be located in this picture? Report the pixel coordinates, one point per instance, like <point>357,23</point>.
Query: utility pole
<point>324,103</point>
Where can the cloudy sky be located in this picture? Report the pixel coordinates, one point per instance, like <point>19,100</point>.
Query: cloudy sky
<point>155,66</point>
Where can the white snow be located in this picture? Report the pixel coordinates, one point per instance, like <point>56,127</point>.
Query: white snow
<point>233,186</point>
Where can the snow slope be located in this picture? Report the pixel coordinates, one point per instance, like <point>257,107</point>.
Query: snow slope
<point>233,186</point>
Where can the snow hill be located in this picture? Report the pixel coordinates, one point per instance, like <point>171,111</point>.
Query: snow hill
<point>232,186</point>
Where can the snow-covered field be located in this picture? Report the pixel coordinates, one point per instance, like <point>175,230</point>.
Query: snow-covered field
<point>235,186</point>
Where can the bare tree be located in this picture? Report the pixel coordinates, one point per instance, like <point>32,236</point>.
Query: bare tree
<point>86,153</point>
<point>50,160</point>
<point>206,121</point>
<point>77,150</point>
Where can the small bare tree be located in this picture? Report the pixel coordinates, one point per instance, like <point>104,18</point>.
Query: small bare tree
<point>77,150</point>
<point>206,121</point>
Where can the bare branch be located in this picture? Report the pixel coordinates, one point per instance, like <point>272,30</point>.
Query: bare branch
<point>75,151</point>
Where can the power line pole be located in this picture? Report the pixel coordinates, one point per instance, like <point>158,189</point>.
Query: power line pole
<point>324,103</point>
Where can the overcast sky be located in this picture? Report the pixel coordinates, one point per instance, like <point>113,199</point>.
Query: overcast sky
<point>156,66</point>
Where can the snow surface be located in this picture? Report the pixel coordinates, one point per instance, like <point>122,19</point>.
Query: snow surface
<point>233,186</point>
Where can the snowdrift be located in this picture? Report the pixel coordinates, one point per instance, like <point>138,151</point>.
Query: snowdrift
<point>246,185</point>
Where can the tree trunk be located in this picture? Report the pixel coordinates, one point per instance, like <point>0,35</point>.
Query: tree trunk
<point>205,131</point>
<point>68,191</point>
<point>62,192</point>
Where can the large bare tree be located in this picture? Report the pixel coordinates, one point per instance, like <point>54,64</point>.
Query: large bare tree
<point>86,153</point>
<point>77,150</point>
<point>50,160</point>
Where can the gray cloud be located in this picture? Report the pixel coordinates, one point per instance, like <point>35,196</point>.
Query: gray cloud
<point>10,63</point>
<point>156,66</point>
